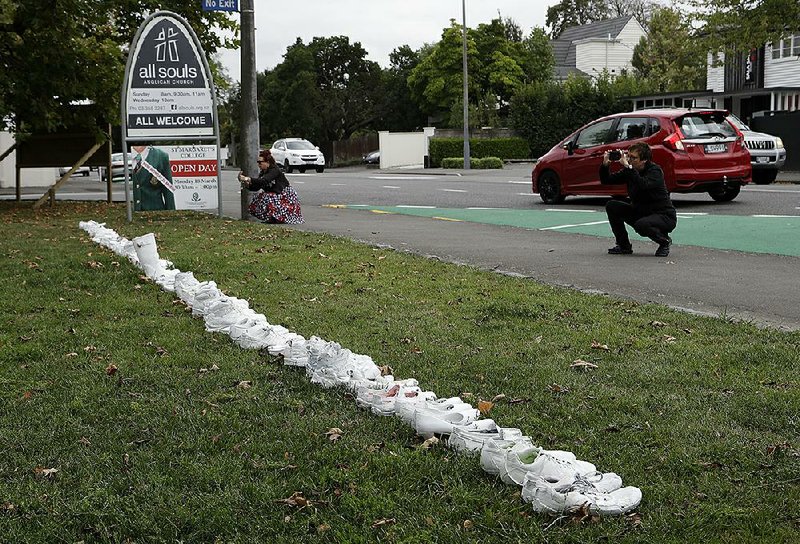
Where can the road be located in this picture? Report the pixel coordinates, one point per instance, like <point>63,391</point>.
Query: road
<point>717,265</point>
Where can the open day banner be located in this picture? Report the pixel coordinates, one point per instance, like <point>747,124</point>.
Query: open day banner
<point>194,175</point>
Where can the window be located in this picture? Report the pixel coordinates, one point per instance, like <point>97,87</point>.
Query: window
<point>632,128</point>
<point>596,134</point>
<point>787,47</point>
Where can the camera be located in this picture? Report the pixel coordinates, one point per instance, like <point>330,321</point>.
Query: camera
<point>615,155</point>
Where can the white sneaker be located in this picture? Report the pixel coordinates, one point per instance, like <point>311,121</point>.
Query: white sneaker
<point>248,322</point>
<point>554,466</point>
<point>297,354</point>
<point>545,498</point>
<point>494,452</point>
<point>204,295</point>
<point>429,423</point>
<point>472,441</point>
<point>406,407</point>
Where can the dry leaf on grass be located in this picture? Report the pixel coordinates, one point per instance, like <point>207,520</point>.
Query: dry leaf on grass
<point>386,370</point>
<point>557,389</point>
<point>111,369</point>
<point>499,397</point>
<point>657,324</point>
<point>384,521</point>
<point>429,443</point>
<point>468,524</point>
<point>668,339</point>
<point>297,499</point>
<point>598,345</point>
<point>244,384</point>
<point>334,434</point>
<point>45,472</point>
<point>27,395</point>
<point>484,406</point>
<point>580,364</point>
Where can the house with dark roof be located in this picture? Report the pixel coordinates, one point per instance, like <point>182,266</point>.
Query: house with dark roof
<point>587,50</point>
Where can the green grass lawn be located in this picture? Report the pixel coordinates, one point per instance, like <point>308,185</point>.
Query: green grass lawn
<point>114,428</point>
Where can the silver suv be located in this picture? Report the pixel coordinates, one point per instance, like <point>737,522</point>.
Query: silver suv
<point>298,153</point>
<point>767,154</point>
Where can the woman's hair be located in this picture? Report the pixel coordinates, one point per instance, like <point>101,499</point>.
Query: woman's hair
<point>643,150</point>
<point>266,154</point>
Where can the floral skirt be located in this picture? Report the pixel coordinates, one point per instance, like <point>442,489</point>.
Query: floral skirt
<point>281,207</point>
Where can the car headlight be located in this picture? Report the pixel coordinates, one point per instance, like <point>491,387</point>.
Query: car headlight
<point>778,143</point>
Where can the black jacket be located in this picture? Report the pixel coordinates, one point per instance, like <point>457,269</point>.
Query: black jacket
<point>271,180</point>
<point>646,189</point>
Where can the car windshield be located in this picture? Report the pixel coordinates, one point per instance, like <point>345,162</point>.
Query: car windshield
<point>738,122</point>
<point>300,145</point>
<point>706,125</point>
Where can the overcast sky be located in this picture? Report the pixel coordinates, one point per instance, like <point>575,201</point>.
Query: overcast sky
<point>379,25</point>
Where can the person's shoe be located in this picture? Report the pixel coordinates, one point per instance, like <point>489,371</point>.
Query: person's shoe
<point>620,250</point>
<point>663,248</point>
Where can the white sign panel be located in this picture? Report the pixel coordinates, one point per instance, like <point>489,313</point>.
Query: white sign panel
<point>169,91</point>
<point>194,175</point>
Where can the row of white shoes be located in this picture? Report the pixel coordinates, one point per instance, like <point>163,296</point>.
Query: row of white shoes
<point>552,481</point>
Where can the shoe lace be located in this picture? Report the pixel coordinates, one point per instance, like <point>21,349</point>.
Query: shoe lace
<point>584,482</point>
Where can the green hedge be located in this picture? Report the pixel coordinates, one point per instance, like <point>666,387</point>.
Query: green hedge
<point>504,148</point>
<point>478,164</point>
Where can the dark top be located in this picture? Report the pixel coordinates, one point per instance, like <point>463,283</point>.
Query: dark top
<point>270,180</point>
<point>646,189</point>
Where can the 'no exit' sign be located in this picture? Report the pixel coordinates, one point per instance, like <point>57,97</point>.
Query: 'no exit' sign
<point>220,5</point>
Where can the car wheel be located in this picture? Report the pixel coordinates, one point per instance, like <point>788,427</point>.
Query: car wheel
<point>320,169</point>
<point>550,189</point>
<point>301,169</point>
<point>725,193</point>
<point>287,166</point>
<point>764,177</point>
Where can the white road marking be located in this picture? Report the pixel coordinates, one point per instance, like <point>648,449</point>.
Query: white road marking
<point>527,194</point>
<point>575,225</point>
<point>753,190</point>
<point>776,216</point>
<point>419,207</point>
<point>403,177</point>
<point>391,187</point>
<point>338,184</point>
<point>453,190</point>
<point>479,208</point>
<point>692,213</point>
<point>520,182</point>
<point>568,210</point>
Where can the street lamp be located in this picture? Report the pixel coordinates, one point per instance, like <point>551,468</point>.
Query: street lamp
<point>466,92</point>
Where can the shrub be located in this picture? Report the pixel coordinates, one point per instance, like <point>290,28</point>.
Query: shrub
<point>502,148</point>
<point>477,164</point>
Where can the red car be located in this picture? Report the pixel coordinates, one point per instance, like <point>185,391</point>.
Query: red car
<point>699,151</point>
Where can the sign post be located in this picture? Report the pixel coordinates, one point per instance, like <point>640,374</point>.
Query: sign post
<point>168,95</point>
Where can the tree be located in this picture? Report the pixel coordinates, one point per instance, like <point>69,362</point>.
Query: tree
<point>740,25</point>
<point>398,111</point>
<point>569,13</point>
<point>669,57</point>
<point>55,53</point>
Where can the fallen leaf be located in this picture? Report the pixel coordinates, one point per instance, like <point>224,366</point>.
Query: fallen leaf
<point>111,369</point>
<point>669,339</point>
<point>634,519</point>
<point>27,395</point>
<point>468,524</point>
<point>214,368</point>
<point>538,339</point>
<point>498,397</point>
<point>386,370</point>
<point>323,528</point>
<point>519,400</point>
<point>484,406</point>
<point>8,507</point>
<point>25,338</point>
<point>598,345</point>
<point>85,441</point>
<point>429,443</point>
<point>297,499</point>
<point>384,521</point>
<point>557,389</point>
<point>45,472</point>
<point>580,364</point>
<point>658,324</point>
<point>244,384</point>
<point>334,434</point>
<point>71,354</point>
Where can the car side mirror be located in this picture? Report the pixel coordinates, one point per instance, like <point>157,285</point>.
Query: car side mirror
<point>569,147</point>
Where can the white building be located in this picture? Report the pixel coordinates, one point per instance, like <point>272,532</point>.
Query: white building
<point>588,50</point>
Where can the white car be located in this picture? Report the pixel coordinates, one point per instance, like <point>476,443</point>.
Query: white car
<point>767,152</point>
<point>81,171</point>
<point>298,153</point>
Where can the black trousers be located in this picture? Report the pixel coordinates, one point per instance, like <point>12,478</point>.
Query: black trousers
<point>655,226</point>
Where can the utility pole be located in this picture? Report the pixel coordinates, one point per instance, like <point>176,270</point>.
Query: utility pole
<point>249,133</point>
<point>466,92</point>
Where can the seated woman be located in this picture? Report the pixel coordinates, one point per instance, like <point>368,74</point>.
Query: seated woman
<point>276,201</point>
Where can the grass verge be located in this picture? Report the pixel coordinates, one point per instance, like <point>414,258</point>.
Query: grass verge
<point>113,427</point>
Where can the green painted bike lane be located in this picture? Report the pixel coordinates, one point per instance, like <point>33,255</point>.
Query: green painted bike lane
<point>779,235</point>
